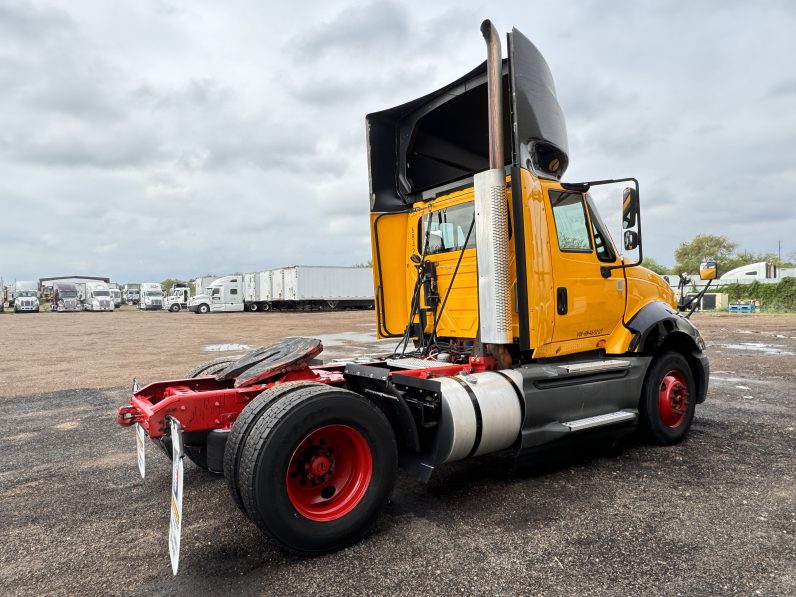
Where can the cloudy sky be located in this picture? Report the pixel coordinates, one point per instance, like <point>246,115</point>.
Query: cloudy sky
<point>154,139</point>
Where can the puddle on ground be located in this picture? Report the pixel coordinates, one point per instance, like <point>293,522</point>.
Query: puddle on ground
<point>735,380</point>
<point>772,349</point>
<point>227,347</point>
<point>345,338</point>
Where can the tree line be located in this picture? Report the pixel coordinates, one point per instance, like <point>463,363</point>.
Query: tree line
<point>689,254</point>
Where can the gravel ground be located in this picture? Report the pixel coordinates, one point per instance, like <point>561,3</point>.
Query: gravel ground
<point>713,515</point>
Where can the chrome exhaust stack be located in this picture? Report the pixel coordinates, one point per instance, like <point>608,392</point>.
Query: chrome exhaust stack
<point>492,218</point>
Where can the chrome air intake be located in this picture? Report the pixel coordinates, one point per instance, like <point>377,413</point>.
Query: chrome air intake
<point>491,212</point>
<point>481,413</point>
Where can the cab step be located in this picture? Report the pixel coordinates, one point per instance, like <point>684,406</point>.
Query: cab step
<point>596,366</point>
<point>620,416</point>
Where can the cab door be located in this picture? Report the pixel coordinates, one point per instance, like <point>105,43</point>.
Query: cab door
<point>589,298</point>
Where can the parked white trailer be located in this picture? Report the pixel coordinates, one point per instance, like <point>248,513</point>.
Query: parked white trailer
<point>151,298</point>
<point>26,297</point>
<point>296,287</point>
<point>200,284</point>
<point>324,287</point>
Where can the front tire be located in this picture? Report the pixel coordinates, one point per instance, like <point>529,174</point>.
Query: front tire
<point>668,400</point>
<point>203,309</point>
<point>317,469</point>
<point>174,308</point>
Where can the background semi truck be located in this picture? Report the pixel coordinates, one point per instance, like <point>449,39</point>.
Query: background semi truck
<point>65,298</point>
<point>295,287</point>
<point>97,297</point>
<point>177,300</point>
<point>151,297</point>
<point>523,329</point>
<point>26,297</point>
<point>131,294</point>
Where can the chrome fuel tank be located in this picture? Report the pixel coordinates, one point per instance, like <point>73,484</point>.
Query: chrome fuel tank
<point>480,413</point>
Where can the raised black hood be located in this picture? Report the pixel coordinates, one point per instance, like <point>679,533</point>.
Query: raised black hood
<point>443,138</point>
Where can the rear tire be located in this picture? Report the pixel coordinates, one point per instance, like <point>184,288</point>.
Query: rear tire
<point>243,426</point>
<point>209,367</point>
<point>317,469</point>
<point>252,307</point>
<point>668,400</point>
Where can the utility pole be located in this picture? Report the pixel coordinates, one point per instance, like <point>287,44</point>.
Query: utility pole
<point>779,252</point>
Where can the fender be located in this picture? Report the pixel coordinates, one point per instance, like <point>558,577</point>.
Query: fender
<point>372,383</point>
<point>657,327</point>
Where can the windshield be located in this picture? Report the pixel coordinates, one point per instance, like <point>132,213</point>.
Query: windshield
<point>100,293</point>
<point>68,293</point>
<point>154,293</point>
<point>115,293</point>
<point>26,293</point>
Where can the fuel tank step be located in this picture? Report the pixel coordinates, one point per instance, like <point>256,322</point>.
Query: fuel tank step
<point>620,416</point>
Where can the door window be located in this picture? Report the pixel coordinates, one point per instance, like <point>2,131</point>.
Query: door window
<point>448,229</point>
<point>572,226</point>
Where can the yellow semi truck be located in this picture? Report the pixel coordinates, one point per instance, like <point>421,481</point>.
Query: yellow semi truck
<point>520,327</point>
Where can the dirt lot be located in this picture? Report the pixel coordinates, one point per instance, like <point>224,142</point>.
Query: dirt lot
<point>714,515</point>
<point>96,350</point>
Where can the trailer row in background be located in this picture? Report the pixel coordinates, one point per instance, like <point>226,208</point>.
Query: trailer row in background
<point>295,287</point>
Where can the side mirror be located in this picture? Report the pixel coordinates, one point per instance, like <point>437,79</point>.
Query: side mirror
<point>708,270</point>
<point>631,240</point>
<point>629,208</point>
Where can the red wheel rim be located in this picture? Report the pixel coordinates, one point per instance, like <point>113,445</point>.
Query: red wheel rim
<point>673,398</point>
<point>329,473</point>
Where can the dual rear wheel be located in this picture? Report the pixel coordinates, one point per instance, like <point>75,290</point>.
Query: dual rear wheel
<point>311,465</point>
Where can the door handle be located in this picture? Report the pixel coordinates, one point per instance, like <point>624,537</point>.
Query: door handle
<point>561,301</point>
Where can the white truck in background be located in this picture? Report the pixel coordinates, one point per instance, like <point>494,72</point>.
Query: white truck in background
<point>131,293</point>
<point>177,300</point>
<point>97,297</point>
<point>116,294</point>
<point>222,295</point>
<point>296,287</point>
<point>151,298</point>
<point>26,297</point>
